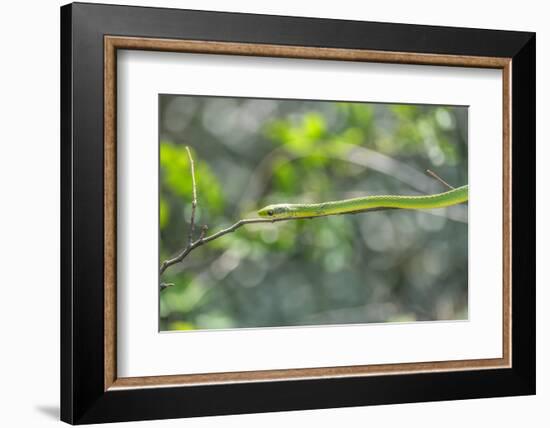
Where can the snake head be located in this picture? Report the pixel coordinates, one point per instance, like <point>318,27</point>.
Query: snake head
<point>274,211</point>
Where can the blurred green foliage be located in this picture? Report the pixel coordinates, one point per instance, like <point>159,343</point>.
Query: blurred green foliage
<point>385,266</point>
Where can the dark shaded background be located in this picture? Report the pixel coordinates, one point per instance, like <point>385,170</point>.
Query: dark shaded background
<point>387,266</point>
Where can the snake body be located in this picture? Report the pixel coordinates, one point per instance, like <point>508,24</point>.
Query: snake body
<point>366,203</point>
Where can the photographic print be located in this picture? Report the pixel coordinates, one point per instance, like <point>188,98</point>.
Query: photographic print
<point>308,214</point>
<point>278,212</point>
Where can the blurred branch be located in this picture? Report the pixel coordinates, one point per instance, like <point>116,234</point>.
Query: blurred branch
<point>204,239</point>
<point>387,165</point>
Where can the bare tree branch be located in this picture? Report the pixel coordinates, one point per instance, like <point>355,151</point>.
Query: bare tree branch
<point>204,239</point>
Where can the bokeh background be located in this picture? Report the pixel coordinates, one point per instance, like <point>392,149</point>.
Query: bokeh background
<point>386,266</point>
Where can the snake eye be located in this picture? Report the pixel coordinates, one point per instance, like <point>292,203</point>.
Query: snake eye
<point>269,212</point>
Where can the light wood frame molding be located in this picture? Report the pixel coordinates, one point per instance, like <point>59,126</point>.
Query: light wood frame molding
<point>114,43</point>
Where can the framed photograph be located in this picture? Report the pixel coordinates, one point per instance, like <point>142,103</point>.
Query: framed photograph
<point>265,213</point>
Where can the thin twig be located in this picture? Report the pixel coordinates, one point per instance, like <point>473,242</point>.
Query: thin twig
<point>203,240</point>
<point>438,178</point>
<point>194,201</point>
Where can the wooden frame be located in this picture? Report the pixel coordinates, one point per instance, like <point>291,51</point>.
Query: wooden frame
<point>112,43</point>
<point>513,53</point>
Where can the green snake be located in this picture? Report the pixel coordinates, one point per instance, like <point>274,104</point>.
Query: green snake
<point>366,203</point>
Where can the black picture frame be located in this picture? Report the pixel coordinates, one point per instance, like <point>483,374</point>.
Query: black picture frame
<point>83,396</point>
